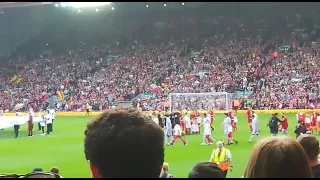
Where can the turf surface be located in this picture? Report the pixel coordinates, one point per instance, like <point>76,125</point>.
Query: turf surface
<point>64,148</point>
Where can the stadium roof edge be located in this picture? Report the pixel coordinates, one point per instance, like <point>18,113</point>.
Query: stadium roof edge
<point>21,4</point>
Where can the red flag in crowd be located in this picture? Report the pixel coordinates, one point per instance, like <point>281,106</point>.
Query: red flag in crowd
<point>275,54</point>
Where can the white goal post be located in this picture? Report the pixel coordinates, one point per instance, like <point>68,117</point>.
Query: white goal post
<point>200,101</point>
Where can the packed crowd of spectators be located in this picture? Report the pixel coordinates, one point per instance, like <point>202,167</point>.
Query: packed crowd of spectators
<point>236,57</point>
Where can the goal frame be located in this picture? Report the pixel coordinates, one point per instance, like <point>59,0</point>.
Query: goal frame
<point>228,104</point>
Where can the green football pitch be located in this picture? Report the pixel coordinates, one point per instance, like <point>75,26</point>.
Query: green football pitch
<point>64,148</point>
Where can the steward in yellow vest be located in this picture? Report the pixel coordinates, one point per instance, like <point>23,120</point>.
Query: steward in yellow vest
<point>222,157</point>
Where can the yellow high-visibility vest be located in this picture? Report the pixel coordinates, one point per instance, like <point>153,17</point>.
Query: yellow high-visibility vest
<point>221,160</point>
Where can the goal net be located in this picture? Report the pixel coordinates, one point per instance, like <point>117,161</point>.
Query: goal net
<point>200,101</point>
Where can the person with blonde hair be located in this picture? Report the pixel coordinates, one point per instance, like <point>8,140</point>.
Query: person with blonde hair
<point>278,157</point>
<point>165,171</point>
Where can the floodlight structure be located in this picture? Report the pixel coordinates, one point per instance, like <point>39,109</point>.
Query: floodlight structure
<point>84,4</point>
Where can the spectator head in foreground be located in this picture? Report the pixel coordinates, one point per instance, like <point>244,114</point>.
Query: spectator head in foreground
<point>54,170</point>
<point>206,170</point>
<point>310,144</point>
<point>165,171</point>
<point>278,157</point>
<point>37,170</point>
<point>122,143</point>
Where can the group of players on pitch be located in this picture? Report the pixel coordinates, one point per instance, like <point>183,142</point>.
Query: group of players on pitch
<point>312,121</point>
<point>44,120</point>
<point>176,125</point>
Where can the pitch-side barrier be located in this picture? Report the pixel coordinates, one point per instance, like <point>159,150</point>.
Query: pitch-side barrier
<point>286,111</point>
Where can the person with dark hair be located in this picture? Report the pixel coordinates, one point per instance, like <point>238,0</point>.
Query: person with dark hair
<point>124,143</point>
<point>172,119</point>
<point>37,170</point>
<point>310,144</point>
<point>274,124</point>
<point>206,170</point>
<point>160,120</point>
<point>301,128</point>
<point>177,118</point>
<point>16,125</point>
<point>54,170</point>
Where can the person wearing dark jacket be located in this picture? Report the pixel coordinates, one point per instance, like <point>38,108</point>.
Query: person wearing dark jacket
<point>160,120</point>
<point>300,129</point>
<point>176,118</point>
<point>274,124</point>
<point>172,118</point>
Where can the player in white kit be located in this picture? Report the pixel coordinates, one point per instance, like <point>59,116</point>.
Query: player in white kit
<point>31,112</point>
<point>194,127</point>
<point>207,130</point>
<point>52,114</point>
<point>48,123</point>
<point>187,122</point>
<point>198,122</point>
<point>226,124</point>
<point>177,134</point>
<point>308,122</point>
<point>255,128</point>
<point>42,122</point>
<point>168,131</point>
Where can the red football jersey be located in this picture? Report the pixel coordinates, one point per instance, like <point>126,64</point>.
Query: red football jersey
<point>30,119</point>
<point>313,115</point>
<point>284,122</point>
<point>301,116</point>
<point>249,113</point>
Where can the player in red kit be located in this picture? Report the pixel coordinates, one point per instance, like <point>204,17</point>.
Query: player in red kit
<point>211,114</point>
<point>301,116</point>
<point>318,122</point>
<point>284,124</point>
<point>249,115</point>
<point>177,135</point>
<point>30,125</point>
<point>230,114</point>
<point>313,116</point>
